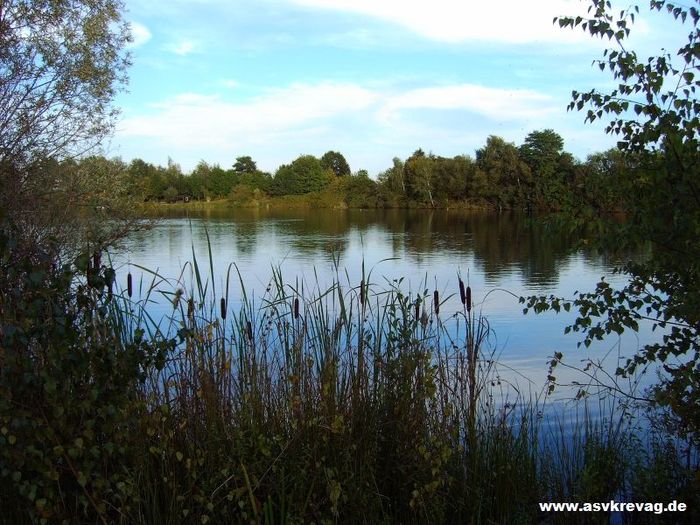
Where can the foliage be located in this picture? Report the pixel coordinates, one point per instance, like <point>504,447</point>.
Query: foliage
<point>61,64</point>
<point>305,174</point>
<point>536,175</point>
<point>543,152</point>
<point>361,192</point>
<point>347,404</point>
<point>335,161</point>
<point>654,113</point>
<point>502,177</point>
<point>245,164</point>
<point>69,391</point>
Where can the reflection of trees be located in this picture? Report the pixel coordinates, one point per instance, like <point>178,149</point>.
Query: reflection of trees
<point>499,242</point>
<point>506,240</point>
<point>246,234</point>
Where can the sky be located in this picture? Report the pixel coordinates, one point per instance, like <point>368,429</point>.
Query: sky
<point>214,80</point>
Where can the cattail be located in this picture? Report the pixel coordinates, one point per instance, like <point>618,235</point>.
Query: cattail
<point>296,308</point>
<point>250,331</point>
<point>176,297</point>
<point>469,298</point>
<point>129,284</point>
<point>190,308</point>
<point>362,292</point>
<point>424,318</point>
<point>417,307</point>
<point>436,300</point>
<point>462,296</point>
<point>223,308</point>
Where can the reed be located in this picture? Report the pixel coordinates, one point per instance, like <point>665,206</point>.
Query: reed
<point>345,402</point>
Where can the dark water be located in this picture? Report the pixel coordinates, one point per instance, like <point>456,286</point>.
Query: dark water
<point>501,256</point>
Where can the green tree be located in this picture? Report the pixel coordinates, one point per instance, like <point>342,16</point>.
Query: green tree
<point>334,161</point>
<point>502,177</point>
<point>393,178</point>
<point>655,115</point>
<point>141,175</point>
<point>596,179</point>
<point>305,174</point>
<point>542,151</point>
<point>452,178</point>
<point>418,173</point>
<point>61,64</point>
<point>245,164</point>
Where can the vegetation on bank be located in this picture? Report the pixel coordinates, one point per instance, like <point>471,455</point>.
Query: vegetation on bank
<point>538,174</point>
<point>352,403</point>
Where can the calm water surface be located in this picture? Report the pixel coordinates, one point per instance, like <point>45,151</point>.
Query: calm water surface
<point>501,255</point>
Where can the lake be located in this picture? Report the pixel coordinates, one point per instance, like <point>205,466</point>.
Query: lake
<point>502,256</point>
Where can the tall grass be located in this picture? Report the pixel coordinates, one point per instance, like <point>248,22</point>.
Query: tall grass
<point>350,402</point>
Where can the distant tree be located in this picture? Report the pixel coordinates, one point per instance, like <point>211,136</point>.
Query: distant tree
<point>141,174</point>
<point>303,175</point>
<point>215,181</point>
<point>452,177</point>
<point>170,194</point>
<point>503,178</point>
<point>361,191</point>
<point>334,161</point>
<point>245,164</point>
<point>221,181</point>
<point>595,184</point>
<point>259,180</point>
<point>393,178</point>
<point>418,173</point>
<point>542,151</point>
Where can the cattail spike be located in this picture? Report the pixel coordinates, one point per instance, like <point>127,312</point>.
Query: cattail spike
<point>250,331</point>
<point>190,307</point>
<point>296,308</point>
<point>462,295</point>
<point>436,299</point>
<point>129,285</point>
<point>362,292</point>
<point>469,298</point>
<point>418,308</point>
<point>223,308</point>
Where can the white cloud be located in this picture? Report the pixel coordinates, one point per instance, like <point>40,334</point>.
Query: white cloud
<point>193,120</point>
<point>183,48</point>
<point>140,34</point>
<point>492,103</point>
<point>364,123</point>
<point>509,21</point>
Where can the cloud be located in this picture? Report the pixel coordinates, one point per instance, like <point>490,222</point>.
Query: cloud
<point>370,126</point>
<point>492,103</point>
<point>184,48</point>
<point>192,120</point>
<point>508,21</point>
<point>140,34</point>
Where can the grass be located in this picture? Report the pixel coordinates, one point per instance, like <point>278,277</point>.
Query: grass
<point>347,403</point>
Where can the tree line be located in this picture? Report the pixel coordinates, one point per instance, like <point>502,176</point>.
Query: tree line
<point>538,174</point>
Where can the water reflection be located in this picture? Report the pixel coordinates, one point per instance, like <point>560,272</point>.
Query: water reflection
<point>506,251</point>
<point>495,245</point>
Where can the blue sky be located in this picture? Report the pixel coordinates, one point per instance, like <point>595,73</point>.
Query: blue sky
<point>374,79</point>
